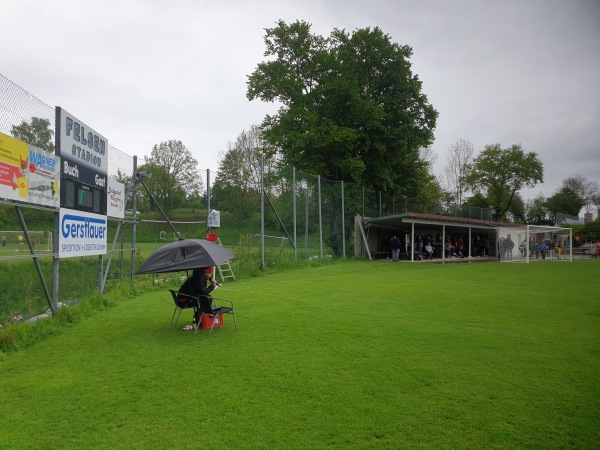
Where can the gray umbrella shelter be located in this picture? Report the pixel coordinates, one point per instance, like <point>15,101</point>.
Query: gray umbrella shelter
<point>185,254</point>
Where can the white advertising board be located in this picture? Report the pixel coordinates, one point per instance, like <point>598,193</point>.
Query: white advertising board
<point>214,219</point>
<point>81,234</point>
<point>115,201</point>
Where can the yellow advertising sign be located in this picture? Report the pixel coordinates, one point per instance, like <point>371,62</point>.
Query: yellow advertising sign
<point>27,173</point>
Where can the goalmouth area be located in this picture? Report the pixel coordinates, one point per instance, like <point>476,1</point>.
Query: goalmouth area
<point>534,243</point>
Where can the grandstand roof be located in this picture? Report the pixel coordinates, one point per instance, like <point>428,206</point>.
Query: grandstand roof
<point>404,219</point>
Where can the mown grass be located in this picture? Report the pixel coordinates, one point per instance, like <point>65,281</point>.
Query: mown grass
<point>355,354</point>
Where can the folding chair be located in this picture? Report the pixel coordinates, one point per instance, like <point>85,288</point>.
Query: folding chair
<point>180,307</point>
<point>209,306</point>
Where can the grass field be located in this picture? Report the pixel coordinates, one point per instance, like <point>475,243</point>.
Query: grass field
<point>356,354</point>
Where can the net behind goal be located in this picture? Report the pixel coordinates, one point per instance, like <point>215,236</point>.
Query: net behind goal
<point>533,243</point>
<point>14,241</point>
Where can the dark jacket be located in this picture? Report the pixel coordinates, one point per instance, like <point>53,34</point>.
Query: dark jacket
<point>196,286</point>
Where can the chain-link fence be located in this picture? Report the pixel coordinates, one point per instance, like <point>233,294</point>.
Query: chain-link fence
<point>300,215</point>
<point>26,230</point>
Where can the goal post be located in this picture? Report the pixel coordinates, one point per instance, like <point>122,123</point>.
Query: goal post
<point>534,243</point>
<point>14,241</point>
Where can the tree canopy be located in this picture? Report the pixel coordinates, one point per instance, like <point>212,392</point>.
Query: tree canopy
<point>458,156</point>
<point>175,174</point>
<point>574,194</point>
<point>37,133</point>
<point>497,175</point>
<point>351,108</point>
<point>237,187</point>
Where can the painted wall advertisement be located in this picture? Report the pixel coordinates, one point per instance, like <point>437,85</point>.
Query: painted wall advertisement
<point>81,234</point>
<point>28,174</point>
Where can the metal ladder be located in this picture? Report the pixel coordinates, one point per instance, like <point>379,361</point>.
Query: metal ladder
<point>225,270</point>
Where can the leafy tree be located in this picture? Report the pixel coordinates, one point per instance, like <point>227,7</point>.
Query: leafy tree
<point>175,174</point>
<point>574,194</point>
<point>596,203</point>
<point>564,201</point>
<point>517,210</point>
<point>195,202</point>
<point>459,156</point>
<point>163,188</point>
<point>37,133</point>
<point>237,187</point>
<point>536,212</point>
<point>351,108</point>
<point>497,175</point>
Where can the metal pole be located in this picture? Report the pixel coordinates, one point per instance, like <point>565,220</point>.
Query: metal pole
<point>343,224</point>
<point>207,194</point>
<point>320,218</point>
<point>412,242</point>
<point>35,259</point>
<point>363,202</point>
<point>133,217</point>
<point>262,213</point>
<point>443,243</point>
<point>139,177</point>
<point>56,238</point>
<point>55,261</point>
<point>294,207</point>
<point>306,220</point>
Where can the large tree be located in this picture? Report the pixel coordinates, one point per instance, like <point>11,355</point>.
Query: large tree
<point>351,108</point>
<point>574,194</point>
<point>584,189</point>
<point>497,175</point>
<point>458,156</point>
<point>536,211</point>
<point>174,171</point>
<point>237,187</point>
<point>37,133</point>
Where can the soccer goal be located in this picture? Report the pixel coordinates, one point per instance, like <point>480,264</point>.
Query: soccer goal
<point>14,241</point>
<point>270,241</point>
<point>534,243</point>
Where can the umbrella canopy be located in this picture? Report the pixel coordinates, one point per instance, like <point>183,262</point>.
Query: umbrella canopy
<point>185,254</point>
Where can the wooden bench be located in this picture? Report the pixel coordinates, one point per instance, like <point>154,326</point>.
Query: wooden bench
<point>583,250</point>
<point>379,255</point>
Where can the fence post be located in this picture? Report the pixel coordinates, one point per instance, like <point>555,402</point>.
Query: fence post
<point>343,224</point>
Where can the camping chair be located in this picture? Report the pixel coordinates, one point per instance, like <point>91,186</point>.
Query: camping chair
<point>209,306</point>
<point>180,307</point>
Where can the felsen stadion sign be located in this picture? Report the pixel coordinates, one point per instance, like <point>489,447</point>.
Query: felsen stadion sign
<point>83,196</point>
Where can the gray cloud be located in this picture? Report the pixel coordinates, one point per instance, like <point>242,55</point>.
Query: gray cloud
<point>142,72</point>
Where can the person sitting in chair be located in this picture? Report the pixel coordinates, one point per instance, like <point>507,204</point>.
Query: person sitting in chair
<point>196,286</point>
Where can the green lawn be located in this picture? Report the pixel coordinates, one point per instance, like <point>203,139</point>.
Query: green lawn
<point>351,355</point>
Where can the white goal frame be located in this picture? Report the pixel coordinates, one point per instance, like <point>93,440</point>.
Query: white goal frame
<point>43,240</point>
<point>521,244</point>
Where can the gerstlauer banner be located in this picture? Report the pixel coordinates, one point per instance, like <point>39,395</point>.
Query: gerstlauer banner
<point>81,234</point>
<point>27,173</point>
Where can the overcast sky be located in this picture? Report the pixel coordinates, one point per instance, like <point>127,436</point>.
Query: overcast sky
<point>141,72</point>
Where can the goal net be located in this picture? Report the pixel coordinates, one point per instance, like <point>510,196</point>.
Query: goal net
<point>14,241</point>
<point>534,243</point>
<point>270,241</point>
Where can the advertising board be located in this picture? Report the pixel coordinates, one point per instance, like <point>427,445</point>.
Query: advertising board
<point>81,234</point>
<point>27,173</point>
<point>115,202</point>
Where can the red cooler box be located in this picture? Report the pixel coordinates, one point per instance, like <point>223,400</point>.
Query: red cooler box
<point>207,321</point>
